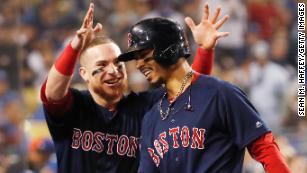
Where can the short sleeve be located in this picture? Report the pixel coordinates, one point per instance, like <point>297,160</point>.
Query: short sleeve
<point>146,163</point>
<point>243,120</point>
<point>56,110</point>
<point>60,126</point>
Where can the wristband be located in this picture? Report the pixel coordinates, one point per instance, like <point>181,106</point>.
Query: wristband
<point>65,64</point>
<point>203,61</point>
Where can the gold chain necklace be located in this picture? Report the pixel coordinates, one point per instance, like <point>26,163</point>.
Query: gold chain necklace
<point>165,114</point>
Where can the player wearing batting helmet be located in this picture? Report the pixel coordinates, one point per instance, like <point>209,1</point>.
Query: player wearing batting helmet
<point>201,124</point>
<point>98,130</point>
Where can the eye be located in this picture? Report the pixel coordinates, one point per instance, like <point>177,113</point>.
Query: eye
<point>102,65</point>
<point>120,65</point>
<point>99,70</point>
<point>117,63</point>
<point>147,59</point>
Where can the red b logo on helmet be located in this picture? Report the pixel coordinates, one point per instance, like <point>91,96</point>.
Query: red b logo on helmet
<point>129,39</point>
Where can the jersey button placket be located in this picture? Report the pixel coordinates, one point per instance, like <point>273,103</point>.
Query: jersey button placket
<point>172,120</point>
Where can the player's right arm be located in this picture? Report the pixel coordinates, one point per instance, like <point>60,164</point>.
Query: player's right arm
<point>55,89</point>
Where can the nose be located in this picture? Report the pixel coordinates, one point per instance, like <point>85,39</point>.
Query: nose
<point>113,69</point>
<point>139,63</point>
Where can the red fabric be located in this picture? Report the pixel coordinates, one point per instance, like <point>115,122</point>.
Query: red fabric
<point>266,151</point>
<point>65,64</point>
<point>59,107</point>
<point>203,61</point>
<point>267,16</point>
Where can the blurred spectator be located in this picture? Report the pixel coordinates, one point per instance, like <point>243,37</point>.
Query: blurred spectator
<point>6,94</point>
<point>120,20</point>
<point>142,7</point>
<point>11,130</point>
<point>267,15</point>
<point>39,153</point>
<point>298,164</point>
<point>268,83</point>
<point>166,9</point>
<point>231,46</point>
<point>40,59</point>
<point>9,63</point>
<point>279,48</point>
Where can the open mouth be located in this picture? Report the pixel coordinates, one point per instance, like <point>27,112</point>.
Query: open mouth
<point>146,72</point>
<point>113,82</point>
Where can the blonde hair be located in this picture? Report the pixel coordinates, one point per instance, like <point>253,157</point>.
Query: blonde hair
<point>98,40</point>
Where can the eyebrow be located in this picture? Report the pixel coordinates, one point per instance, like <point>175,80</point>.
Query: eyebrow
<point>98,63</point>
<point>101,62</point>
<point>143,54</point>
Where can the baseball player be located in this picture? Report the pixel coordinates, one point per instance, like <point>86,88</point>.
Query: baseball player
<point>98,130</point>
<point>201,124</point>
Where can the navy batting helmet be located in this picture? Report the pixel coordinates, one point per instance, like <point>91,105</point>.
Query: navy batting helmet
<point>165,37</point>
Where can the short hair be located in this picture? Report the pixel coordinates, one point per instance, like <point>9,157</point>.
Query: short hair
<point>99,39</point>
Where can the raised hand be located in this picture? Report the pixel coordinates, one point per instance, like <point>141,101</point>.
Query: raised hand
<point>86,33</point>
<point>206,32</point>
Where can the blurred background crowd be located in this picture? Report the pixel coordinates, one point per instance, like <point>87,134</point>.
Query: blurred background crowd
<point>260,56</point>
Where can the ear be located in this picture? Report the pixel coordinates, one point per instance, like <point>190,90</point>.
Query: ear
<point>84,74</point>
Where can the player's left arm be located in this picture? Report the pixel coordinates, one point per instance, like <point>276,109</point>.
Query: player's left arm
<point>266,151</point>
<point>247,129</point>
<point>206,35</point>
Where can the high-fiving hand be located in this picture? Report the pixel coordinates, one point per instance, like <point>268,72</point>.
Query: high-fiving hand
<point>206,32</point>
<point>86,33</point>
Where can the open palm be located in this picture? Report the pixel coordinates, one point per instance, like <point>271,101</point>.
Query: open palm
<point>206,32</point>
<point>86,33</point>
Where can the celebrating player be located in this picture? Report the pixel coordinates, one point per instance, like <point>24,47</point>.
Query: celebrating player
<point>98,130</point>
<point>201,124</point>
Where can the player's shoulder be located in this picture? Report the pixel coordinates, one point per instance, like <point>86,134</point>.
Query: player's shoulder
<point>137,104</point>
<point>81,98</point>
<point>211,81</point>
<point>150,93</point>
<point>221,86</point>
<point>80,94</point>
<point>143,97</point>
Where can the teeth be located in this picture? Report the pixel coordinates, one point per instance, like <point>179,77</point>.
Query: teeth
<point>112,81</point>
<point>147,72</point>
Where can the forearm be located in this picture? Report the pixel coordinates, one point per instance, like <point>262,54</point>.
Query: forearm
<point>266,151</point>
<point>57,85</point>
<point>60,75</point>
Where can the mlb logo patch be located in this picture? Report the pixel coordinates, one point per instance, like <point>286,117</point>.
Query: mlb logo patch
<point>258,124</point>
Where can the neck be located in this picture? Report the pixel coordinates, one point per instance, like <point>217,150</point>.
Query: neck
<point>176,75</point>
<point>110,103</point>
